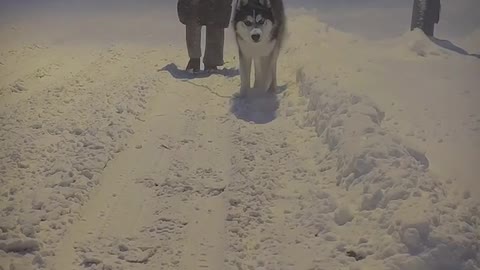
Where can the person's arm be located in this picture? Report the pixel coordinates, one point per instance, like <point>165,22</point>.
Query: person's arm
<point>185,11</point>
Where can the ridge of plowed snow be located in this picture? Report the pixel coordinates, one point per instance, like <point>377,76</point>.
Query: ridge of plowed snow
<point>419,221</point>
<point>417,225</point>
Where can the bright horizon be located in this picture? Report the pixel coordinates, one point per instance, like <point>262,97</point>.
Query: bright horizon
<point>369,18</point>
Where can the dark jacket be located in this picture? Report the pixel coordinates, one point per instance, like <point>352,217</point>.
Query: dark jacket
<point>205,12</point>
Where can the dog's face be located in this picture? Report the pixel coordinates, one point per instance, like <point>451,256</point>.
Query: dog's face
<point>254,20</point>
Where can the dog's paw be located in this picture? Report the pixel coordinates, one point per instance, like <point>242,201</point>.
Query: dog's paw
<point>243,91</point>
<point>272,90</point>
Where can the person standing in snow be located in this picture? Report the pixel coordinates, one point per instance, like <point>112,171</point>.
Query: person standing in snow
<point>426,13</point>
<point>215,15</point>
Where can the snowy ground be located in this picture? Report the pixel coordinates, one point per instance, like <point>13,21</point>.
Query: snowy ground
<point>111,157</point>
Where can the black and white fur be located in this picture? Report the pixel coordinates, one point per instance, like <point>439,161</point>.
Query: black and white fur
<point>259,27</point>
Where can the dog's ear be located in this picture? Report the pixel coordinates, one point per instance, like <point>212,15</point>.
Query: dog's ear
<point>241,3</point>
<point>265,3</point>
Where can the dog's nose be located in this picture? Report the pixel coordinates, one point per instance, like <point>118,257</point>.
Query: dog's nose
<point>256,37</point>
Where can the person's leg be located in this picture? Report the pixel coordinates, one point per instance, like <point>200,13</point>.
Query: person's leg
<point>194,46</point>
<point>214,47</point>
<point>428,28</point>
<point>429,19</point>
<point>417,15</point>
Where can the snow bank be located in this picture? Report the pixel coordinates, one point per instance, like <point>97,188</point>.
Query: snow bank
<point>417,43</point>
<point>417,223</point>
<point>392,184</point>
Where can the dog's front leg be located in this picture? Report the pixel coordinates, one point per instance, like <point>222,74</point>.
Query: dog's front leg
<point>245,71</point>
<point>263,73</point>
<point>273,67</point>
<point>258,63</point>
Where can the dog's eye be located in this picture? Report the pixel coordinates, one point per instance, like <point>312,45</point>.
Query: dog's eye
<point>261,21</point>
<point>248,23</point>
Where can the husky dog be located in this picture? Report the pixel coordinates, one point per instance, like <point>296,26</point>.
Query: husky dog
<point>259,27</point>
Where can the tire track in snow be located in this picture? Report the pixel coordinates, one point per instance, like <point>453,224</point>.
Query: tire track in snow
<point>204,243</point>
<point>266,196</point>
<point>207,170</point>
<point>121,205</point>
<point>152,204</point>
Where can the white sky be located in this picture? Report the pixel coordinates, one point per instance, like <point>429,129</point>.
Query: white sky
<point>370,18</point>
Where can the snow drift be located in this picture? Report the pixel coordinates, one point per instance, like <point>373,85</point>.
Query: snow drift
<point>419,225</point>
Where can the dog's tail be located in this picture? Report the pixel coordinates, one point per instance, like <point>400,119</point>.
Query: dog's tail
<point>279,15</point>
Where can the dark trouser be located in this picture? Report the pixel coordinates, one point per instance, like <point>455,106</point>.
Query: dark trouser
<point>214,44</point>
<point>428,28</point>
<point>425,15</point>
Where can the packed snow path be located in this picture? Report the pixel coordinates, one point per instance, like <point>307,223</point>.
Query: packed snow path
<point>119,160</point>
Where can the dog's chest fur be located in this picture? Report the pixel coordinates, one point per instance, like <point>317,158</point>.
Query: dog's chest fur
<point>256,49</point>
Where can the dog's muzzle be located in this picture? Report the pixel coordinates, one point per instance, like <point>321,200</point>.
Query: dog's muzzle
<point>256,37</point>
